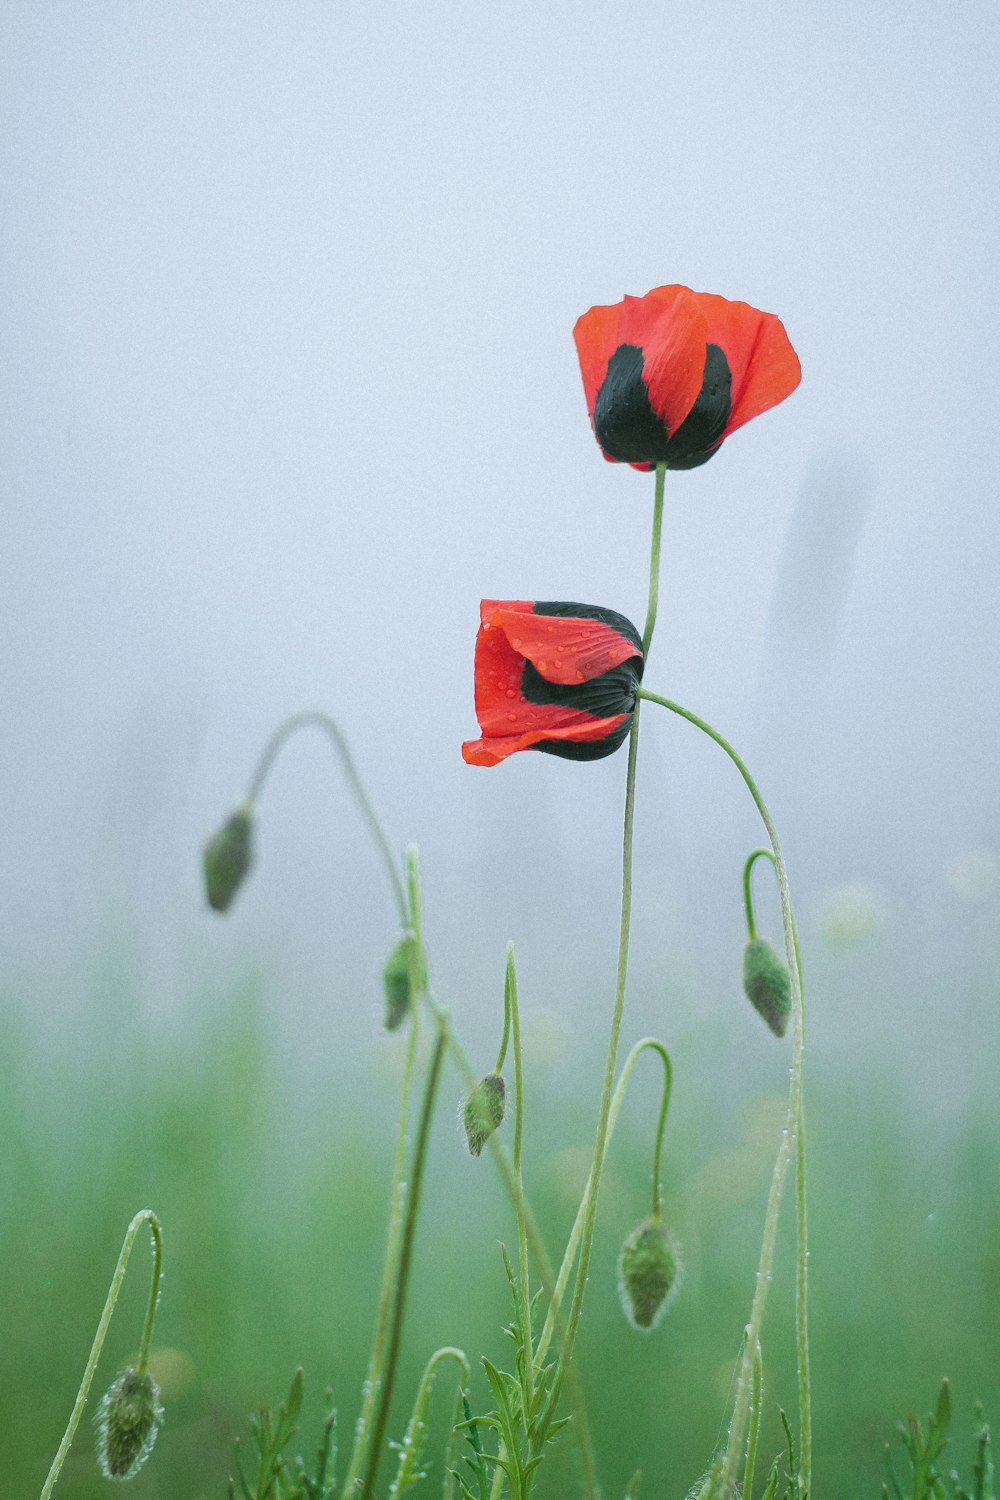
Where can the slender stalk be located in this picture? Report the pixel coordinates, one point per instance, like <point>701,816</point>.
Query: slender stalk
<point>654,559</point>
<point>755,1412</point>
<point>397,1204</point>
<point>409,1452</point>
<point>512,1010</point>
<point>314,719</point>
<point>405,1260</point>
<point>418,974</point>
<point>601,1139</point>
<point>792,1134</point>
<point>144,1216</point>
<point>536,1246</point>
<point>511,1180</point>
<point>574,1238</point>
<point>661,1125</point>
<point>747,890</point>
<point>502,1053</point>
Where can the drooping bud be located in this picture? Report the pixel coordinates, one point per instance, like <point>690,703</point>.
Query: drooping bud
<point>648,1273</point>
<point>126,1424</point>
<point>768,984</point>
<point>483,1111</point>
<point>397,981</point>
<point>228,858</point>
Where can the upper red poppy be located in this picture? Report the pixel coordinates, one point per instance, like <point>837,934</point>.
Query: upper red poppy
<point>668,376</point>
<point>553,676</point>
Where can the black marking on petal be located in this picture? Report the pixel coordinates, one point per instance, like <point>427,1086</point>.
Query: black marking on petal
<point>562,610</point>
<point>698,436</point>
<point>586,749</point>
<point>611,693</point>
<point>625,423</point>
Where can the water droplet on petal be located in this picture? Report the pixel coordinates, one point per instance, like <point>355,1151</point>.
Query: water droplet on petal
<point>512,718</point>
<point>511,693</point>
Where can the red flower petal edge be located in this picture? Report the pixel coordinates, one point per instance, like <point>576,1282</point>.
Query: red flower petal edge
<point>553,676</point>
<point>669,376</point>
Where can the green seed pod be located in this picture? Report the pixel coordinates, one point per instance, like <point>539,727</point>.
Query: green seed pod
<point>228,859</point>
<point>126,1424</point>
<point>648,1273</point>
<point>397,981</point>
<point>483,1111</point>
<point>768,984</point>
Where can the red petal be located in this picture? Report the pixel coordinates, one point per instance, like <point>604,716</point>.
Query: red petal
<point>595,334</point>
<point>764,366</point>
<point>564,649</point>
<point>570,725</point>
<point>668,325</point>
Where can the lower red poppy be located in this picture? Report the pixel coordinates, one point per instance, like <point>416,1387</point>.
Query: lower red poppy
<point>553,676</point>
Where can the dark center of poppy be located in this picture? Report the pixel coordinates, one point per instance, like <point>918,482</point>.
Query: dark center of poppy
<point>605,696</point>
<point>698,436</point>
<point>626,426</point>
<point>629,430</point>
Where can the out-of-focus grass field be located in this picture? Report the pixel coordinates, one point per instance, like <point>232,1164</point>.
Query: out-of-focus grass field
<point>273,1191</point>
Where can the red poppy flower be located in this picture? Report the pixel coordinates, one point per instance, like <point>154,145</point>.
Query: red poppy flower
<point>555,677</point>
<point>668,376</point>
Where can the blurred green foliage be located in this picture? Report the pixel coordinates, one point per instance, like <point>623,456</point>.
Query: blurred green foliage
<point>273,1195</point>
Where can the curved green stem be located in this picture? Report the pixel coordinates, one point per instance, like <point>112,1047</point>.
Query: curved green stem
<point>329,727</point>
<point>409,1453</point>
<point>502,1054</point>
<point>793,1134</point>
<point>661,1125</point>
<point>748,892</point>
<point>144,1216</point>
<point>647,1043</point>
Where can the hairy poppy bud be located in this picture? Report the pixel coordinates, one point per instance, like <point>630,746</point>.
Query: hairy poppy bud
<point>648,1271</point>
<point>228,858</point>
<point>768,984</point>
<point>483,1111</point>
<point>126,1423</point>
<point>398,983</point>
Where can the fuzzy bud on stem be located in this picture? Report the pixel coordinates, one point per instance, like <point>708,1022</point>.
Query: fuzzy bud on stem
<point>126,1424</point>
<point>483,1111</point>
<point>397,981</point>
<point>648,1273</point>
<point>228,858</point>
<point>767,984</point>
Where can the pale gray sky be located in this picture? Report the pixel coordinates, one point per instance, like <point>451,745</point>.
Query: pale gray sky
<point>288,384</point>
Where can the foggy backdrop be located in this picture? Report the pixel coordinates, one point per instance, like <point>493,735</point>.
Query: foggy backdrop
<point>289,384</point>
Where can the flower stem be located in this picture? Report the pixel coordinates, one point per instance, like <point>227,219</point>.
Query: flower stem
<point>397,1202</point>
<point>747,890</point>
<point>512,1010</point>
<point>405,1259</point>
<point>144,1216</point>
<point>418,972</point>
<point>792,1134</point>
<point>647,1043</point>
<point>601,1138</point>
<point>654,559</point>
<point>314,719</point>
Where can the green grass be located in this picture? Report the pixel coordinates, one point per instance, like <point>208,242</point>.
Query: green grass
<point>274,1207</point>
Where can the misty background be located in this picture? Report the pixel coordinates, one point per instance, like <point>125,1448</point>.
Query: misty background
<point>288,385</point>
